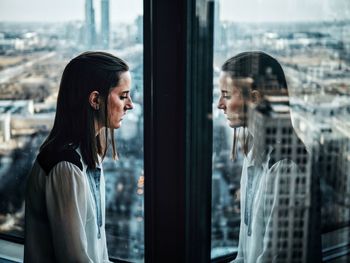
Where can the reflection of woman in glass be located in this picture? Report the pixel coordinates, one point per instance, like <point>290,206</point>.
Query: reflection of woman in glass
<point>274,181</point>
<point>65,198</point>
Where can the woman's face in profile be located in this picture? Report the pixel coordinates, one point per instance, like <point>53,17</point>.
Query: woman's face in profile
<point>231,101</point>
<point>119,101</point>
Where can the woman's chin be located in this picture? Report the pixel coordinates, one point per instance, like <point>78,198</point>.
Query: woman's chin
<point>119,124</point>
<point>115,125</point>
<point>234,124</point>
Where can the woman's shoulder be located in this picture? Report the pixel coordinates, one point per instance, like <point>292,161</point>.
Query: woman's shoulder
<point>48,158</point>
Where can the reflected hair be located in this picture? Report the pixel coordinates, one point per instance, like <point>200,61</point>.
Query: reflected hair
<point>74,124</point>
<point>261,68</point>
<point>267,77</point>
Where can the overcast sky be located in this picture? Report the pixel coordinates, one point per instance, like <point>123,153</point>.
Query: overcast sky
<point>65,10</point>
<point>127,10</point>
<point>284,10</point>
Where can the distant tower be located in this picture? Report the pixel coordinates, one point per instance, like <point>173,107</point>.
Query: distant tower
<point>217,26</point>
<point>139,26</point>
<point>105,23</point>
<point>90,30</point>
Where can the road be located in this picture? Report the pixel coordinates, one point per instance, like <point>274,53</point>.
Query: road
<point>8,73</point>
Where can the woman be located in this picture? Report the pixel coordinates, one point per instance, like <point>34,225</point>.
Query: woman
<point>254,98</point>
<point>65,197</point>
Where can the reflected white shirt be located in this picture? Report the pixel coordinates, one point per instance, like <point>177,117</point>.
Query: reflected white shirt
<point>61,218</point>
<point>259,194</point>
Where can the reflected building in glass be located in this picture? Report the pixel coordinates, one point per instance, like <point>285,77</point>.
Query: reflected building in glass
<point>290,195</point>
<point>327,126</point>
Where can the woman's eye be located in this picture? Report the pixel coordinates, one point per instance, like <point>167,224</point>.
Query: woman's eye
<point>123,97</point>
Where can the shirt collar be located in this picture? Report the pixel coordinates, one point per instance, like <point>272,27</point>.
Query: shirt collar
<point>98,165</point>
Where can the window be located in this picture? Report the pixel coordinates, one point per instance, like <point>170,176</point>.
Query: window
<point>181,41</point>
<point>177,36</point>
<point>35,46</point>
<point>311,40</point>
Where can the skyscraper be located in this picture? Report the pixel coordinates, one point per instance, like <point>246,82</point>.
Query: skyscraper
<point>327,127</point>
<point>290,196</point>
<point>139,26</point>
<point>90,29</point>
<point>217,26</point>
<point>105,23</point>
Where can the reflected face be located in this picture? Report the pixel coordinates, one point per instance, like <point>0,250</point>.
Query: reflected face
<point>231,101</point>
<point>119,101</point>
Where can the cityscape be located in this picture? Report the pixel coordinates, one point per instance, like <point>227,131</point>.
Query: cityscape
<point>316,59</point>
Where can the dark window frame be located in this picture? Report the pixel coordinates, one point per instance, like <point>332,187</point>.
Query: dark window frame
<point>178,76</point>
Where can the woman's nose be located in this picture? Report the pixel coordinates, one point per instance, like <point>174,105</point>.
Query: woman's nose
<point>220,105</point>
<point>129,105</point>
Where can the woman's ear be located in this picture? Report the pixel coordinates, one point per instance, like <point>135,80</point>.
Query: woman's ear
<point>256,97</point>
<point>94,100</point>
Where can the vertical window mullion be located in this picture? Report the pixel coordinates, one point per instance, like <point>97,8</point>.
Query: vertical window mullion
<point>164,130</point>
<point>199,129</point>
<point>178,129</point>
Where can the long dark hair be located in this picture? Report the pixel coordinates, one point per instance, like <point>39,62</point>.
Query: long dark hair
<point>74,120</point>
<point>262,68</point>
<point>268,79</point>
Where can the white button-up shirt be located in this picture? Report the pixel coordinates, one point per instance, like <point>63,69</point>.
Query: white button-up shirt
<point>259,197</point>
<point>61,223</point>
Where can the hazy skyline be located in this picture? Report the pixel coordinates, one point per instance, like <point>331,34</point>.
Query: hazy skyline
<point>65,10</point>
<point>126,11</point>
<point>284,10</point>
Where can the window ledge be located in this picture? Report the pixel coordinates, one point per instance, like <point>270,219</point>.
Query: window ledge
<point>11,251</point>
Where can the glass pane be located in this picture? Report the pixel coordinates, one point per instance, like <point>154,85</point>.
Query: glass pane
<point>282,191</point>
<point>36,42</point>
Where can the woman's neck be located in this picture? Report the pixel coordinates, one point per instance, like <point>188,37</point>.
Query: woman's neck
<point>246,139</point>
